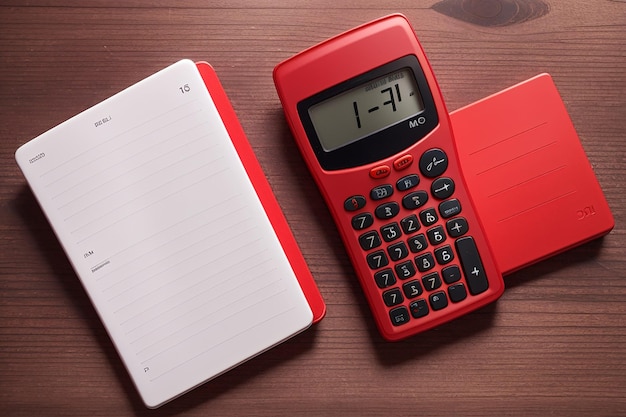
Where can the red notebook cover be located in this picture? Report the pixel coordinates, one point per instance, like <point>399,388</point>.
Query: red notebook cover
<point>527,172</point>
<point>263,190</point>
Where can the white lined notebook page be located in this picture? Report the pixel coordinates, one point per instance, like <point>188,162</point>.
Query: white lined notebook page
<point>160,221</point>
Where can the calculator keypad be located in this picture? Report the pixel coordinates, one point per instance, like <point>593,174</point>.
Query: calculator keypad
<point>421,255</point>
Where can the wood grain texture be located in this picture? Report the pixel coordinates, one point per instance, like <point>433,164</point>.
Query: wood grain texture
<point>553,345</point>
<point>493,12</point>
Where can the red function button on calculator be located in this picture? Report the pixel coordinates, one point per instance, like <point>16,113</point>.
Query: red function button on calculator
<point>369,119</point>
<point>380,171</point>
<point>403,162</point>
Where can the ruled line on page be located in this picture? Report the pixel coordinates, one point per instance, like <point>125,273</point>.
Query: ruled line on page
<point>165,318</point>
<point>94,148</point>
<point>178,225</point>
<point>141,209</point>
<point>210,348</point>
<point>130,185</point>
<point>174,342</point>
<point>210,243</point>
<point>135,167</point>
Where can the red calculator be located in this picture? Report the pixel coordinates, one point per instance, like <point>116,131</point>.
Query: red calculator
<point>369,119</point>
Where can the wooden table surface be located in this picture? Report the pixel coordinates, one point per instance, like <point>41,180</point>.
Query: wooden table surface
<point>554,344</point>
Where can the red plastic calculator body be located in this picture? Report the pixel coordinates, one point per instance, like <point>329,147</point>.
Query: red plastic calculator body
<point>369,119</point>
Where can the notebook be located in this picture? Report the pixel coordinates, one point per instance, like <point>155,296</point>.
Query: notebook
<point>529,177</point>
<point>168,221</point>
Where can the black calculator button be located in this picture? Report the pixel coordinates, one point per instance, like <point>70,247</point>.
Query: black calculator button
<point>387,210</point>
<point>433,163</point>
<point>398,251</point>
<point>436,235</point>
<point>377,259</point>
<point>431,281</point>
<point>444,255</point>
<point>408,182</point>
<point>442,188</point>
<point>457,227</point>
<point>457,292</point>
<point>381,192</point>
<point>412,289</point>
<point>354,203</point>
<point>384,278</point>
<point>424,262</point>
<point>369,240</point>
<point>450,208</point>
<point>410,224</point>
<point>393,297</point>
<point>417,243</point>
<point>399,316</point>
<point>438,300</point>
<point>451,274</point>
<point>472,265</point>
<point>362,221</point>
<point>390,232</point>
<point>414,200</point>
<point>419,308</point>
<point>405,270</point>
<point>428,217</point>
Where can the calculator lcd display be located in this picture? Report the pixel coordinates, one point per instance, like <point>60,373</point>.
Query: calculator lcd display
<point>366,109</point>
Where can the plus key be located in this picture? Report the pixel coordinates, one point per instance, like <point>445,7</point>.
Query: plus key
<point>472,265</point>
